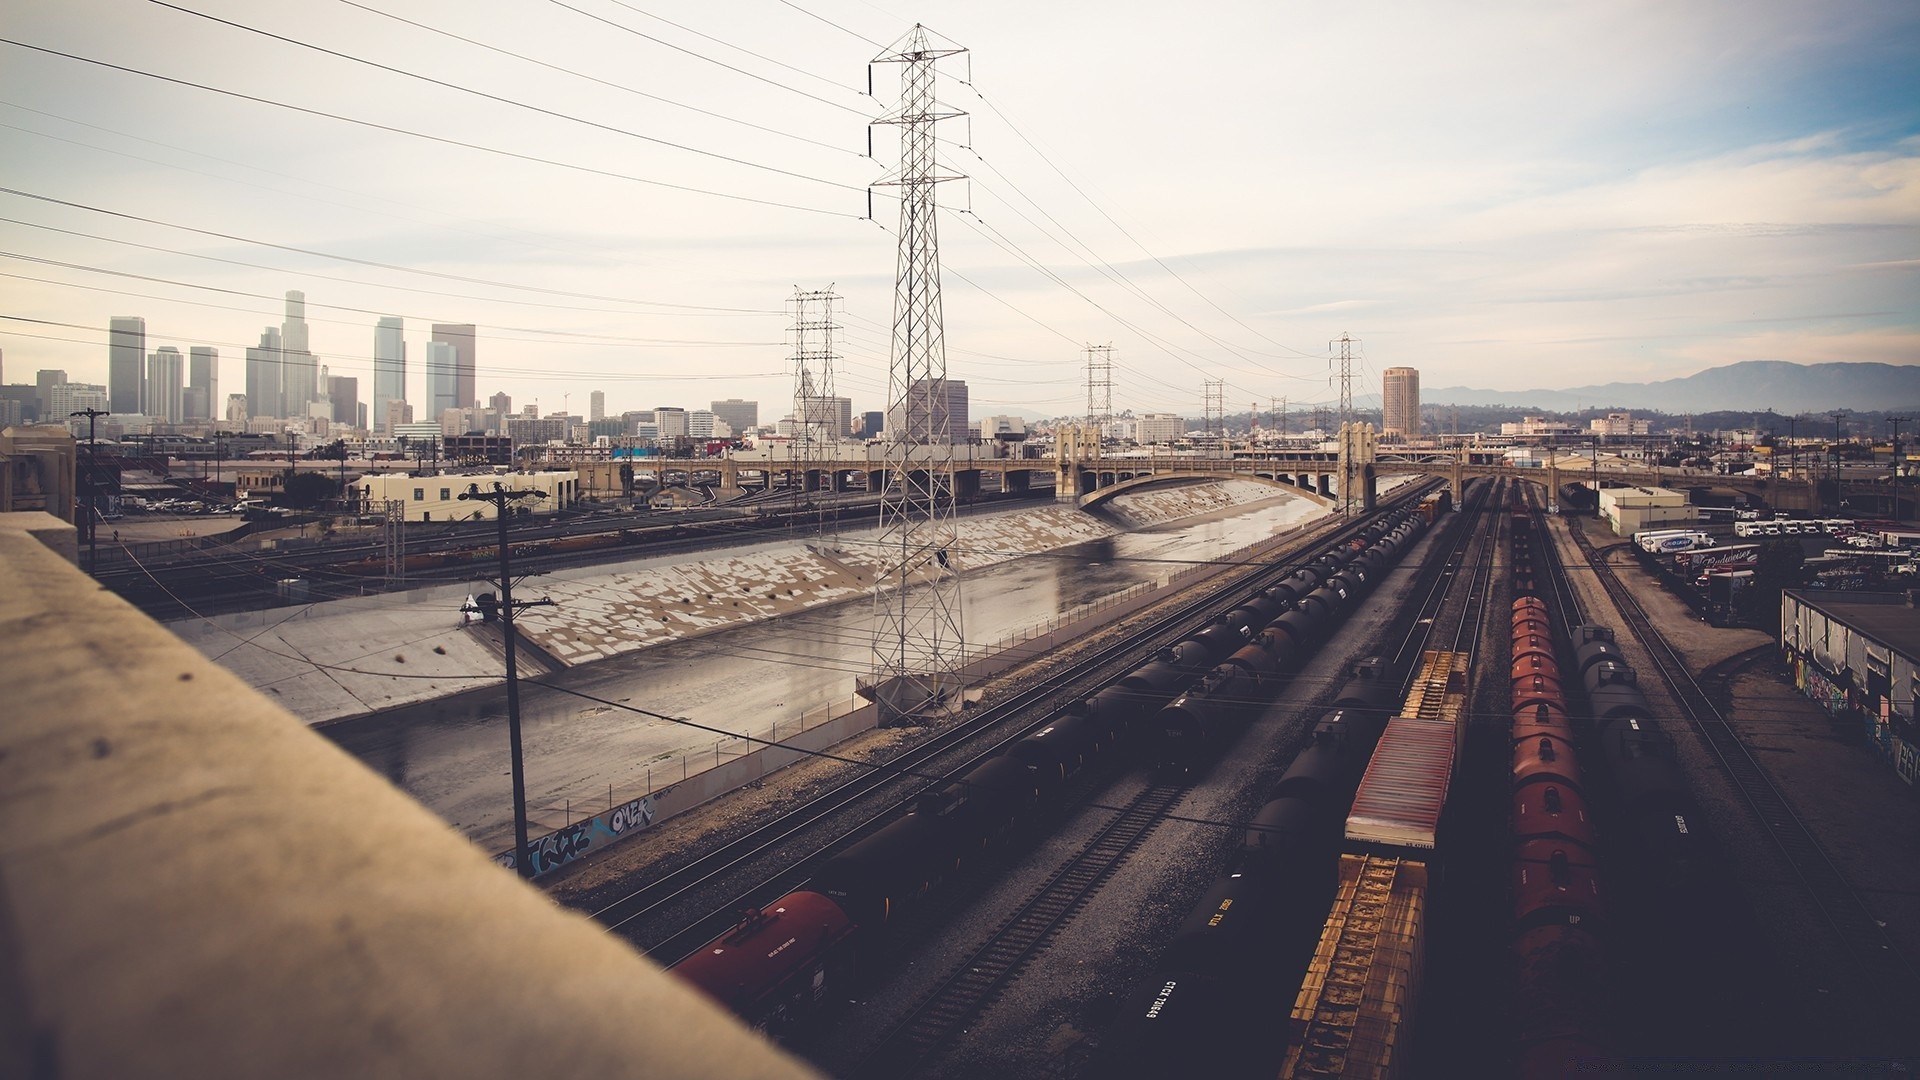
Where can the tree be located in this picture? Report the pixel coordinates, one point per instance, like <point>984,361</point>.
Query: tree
<point>305,491</point>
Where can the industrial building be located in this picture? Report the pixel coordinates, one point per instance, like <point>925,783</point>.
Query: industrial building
<point>1858,655</point>
<point>1630,509</point>
<point>437,498</point>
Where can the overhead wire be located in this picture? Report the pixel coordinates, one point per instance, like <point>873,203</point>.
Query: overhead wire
<point>603,82</point>
<point>499,99</point>
<point>442,139</point>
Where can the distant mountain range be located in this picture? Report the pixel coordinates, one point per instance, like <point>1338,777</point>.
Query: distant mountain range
<point>1748,386</point>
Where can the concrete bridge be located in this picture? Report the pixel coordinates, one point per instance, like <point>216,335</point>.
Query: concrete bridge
<point>1089,474</point>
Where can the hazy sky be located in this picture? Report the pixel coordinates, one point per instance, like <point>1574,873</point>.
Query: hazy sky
<point>1502,195</point>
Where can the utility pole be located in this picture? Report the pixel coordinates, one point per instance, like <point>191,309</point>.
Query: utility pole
<point>1835,456</point>
<point>1896,421</point>
<point>918,636</point>
<point>500,497</point>
<point>93,533</point>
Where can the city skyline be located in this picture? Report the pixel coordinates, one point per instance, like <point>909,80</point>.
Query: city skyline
<point>1507,197</point>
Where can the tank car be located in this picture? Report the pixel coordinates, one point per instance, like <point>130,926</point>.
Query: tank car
<point>1218,639</point>
<point>1306,625</point>
<point>1561,978</point>
<point>873,879</point>
<point>1058,750</point>
<point>983,802</point>
<point>1535,690</point>
<point>1368,688</point>
<point>1555,882</point>
<point>1193,726</point>
<point>1256,612</point>
<point>1259,659</point>
<point>780,964</point>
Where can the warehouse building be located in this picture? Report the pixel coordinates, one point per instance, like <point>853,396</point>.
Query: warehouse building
<point>1858,655</point>
<point>437,498</point>
<point>1631,509</point>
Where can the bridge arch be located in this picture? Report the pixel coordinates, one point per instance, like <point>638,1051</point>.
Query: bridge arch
<point>1149,479</point>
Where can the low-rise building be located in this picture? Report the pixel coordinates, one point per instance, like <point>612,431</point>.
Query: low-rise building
<point>1631,509</point>
<point>437,497</point>
<point>1858,655</point>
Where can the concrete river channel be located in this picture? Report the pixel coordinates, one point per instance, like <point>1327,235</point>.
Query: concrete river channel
<point>451,753</point>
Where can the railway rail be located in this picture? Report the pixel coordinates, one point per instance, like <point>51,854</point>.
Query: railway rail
<point>695,885</point>
<point>993,966</point>
<point>1885,974</point>
<point>976,982</point>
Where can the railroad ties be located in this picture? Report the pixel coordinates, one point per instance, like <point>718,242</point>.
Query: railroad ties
<point>1021,936</point>
<point>1887,973</point>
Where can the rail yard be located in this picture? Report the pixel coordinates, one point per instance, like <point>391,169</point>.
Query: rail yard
<point>1424,793</point>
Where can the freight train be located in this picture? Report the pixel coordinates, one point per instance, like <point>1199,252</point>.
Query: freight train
<point>1259,918</point>
<point>1559,917</point>
<point>785,960</point>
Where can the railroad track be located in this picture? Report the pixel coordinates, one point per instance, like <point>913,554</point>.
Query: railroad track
<point>921,763</point>
<point>979,979</point>
<point>973,985</point>
<point>1885,974</point>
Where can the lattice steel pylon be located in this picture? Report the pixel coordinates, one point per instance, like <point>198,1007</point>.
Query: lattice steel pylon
<point>1214,404</point>
<point>816,415</point>
<point>918,637</point>
<point>393,536</point>
<point>1099,391</point>
<point>1347,477</point>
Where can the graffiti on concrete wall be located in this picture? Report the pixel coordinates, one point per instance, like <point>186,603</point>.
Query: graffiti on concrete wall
<point>562,846</point>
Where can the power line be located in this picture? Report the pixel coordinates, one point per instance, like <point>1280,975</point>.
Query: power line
<point>603,82</point>
<point>702,56</point>
<point>375,264</point>
<point>442,139</point>
<point>503,100</point>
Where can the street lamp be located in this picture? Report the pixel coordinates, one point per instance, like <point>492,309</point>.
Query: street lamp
<point>499,497</point>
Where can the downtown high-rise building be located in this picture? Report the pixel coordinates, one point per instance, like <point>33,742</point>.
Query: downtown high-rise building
<point>166,382</point>
<point>300,369</point>
<point>203,382</point>
<point>742,416</point>
<point>343,392</point>
<point>464,386</point>
<point>443,378</point>
<point>597,405</point>
<point>264,397</point>
<point>1400,402</point>
<point>389,367</point>
<point>933,407</point>
<point>44,381</point>
<point>127,365</point>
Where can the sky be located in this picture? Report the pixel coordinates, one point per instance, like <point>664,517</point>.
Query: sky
<point>625,194</point>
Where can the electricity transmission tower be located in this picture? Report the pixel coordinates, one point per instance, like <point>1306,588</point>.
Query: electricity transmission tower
<point>1346,379</point>
<point>1099,391</point>
<point>1214,404</point>
<point>918,640</point>
<point>816,416</point>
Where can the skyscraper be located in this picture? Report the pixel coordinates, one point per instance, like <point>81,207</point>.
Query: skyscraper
<point>344,392</point>
<point>203,373</point>
<point>300,369</point>
<point>947,400</point>
<point>127,365</point>
<point>263,376</point>
<point>166,378</point>
<point>741,415</point>
<point>389,367</point>
<point>597,405</point>
<point>45,380</point>
<point>1400,402</point>
<point>464,387</point>
<point>443,377</point>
